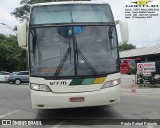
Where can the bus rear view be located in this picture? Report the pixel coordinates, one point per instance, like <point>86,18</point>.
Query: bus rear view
<point>73,55</point>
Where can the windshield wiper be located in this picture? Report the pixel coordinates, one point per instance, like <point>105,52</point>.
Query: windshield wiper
<point>33,32</point>
<point>89,65</point>
<point>68,52</point>
<point>110,34</point>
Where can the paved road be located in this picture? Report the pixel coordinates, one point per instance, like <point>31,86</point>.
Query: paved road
<point>15,104</point>
<point>127,80</point>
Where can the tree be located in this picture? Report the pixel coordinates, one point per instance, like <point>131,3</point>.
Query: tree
<point>22,13</point>
<point>12,57</point>
<point>126,46</point>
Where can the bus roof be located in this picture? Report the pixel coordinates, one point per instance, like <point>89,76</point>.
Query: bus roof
<point>70,2</point>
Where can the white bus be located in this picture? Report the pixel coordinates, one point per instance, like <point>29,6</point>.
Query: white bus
<point>73,54</point>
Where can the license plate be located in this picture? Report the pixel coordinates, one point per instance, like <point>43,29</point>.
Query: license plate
<point>77,99</point>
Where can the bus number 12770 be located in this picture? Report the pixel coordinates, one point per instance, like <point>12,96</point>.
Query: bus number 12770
<point>58,83</point>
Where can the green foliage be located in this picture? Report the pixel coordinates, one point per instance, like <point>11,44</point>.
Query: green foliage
<point>126,46</point>
<point>22,13</point>
<point>12,57</point>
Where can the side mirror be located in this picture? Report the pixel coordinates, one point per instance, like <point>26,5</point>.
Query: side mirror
<point>124,30</point>
<point>22,35</point>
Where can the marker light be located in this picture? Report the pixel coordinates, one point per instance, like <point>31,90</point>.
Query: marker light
<point>40,87</point>
<point>111,83</point>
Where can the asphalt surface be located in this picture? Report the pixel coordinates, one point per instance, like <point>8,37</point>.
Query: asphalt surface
<point>143,104</point>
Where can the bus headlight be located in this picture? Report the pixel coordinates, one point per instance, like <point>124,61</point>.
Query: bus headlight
<point>111,83</point>
<point>40,87</point>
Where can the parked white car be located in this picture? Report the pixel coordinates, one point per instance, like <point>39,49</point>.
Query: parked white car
<point>4,76</point>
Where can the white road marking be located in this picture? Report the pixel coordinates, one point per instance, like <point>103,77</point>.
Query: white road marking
<point>149,126</point>
<point>3,100</point>
<point>60,123</point>
<point>9,113</point>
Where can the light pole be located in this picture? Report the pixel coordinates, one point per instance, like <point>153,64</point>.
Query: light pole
<point>8,27</point>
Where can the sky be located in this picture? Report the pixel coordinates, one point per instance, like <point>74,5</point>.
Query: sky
<point>6,7</point>
<point>142,32</point>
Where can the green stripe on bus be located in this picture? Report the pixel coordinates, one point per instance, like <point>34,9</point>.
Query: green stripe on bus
<point>76,82</point>
<point>88,81</point>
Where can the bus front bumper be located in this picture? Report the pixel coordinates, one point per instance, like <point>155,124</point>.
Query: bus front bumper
<point>50,100</point>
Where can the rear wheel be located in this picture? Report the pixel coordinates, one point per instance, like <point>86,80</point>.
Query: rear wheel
<point>140,81</point>
<point>17,81</point>
<point>152,81</point>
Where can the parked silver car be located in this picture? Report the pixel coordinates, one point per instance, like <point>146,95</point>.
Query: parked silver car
<point>19,77</point>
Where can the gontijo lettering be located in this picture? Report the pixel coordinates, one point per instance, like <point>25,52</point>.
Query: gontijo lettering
<point>142,2</point>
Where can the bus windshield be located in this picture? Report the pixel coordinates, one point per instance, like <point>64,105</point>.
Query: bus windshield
<point>54,49</point>
<point>71,14</point>
<point>72,50</point>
